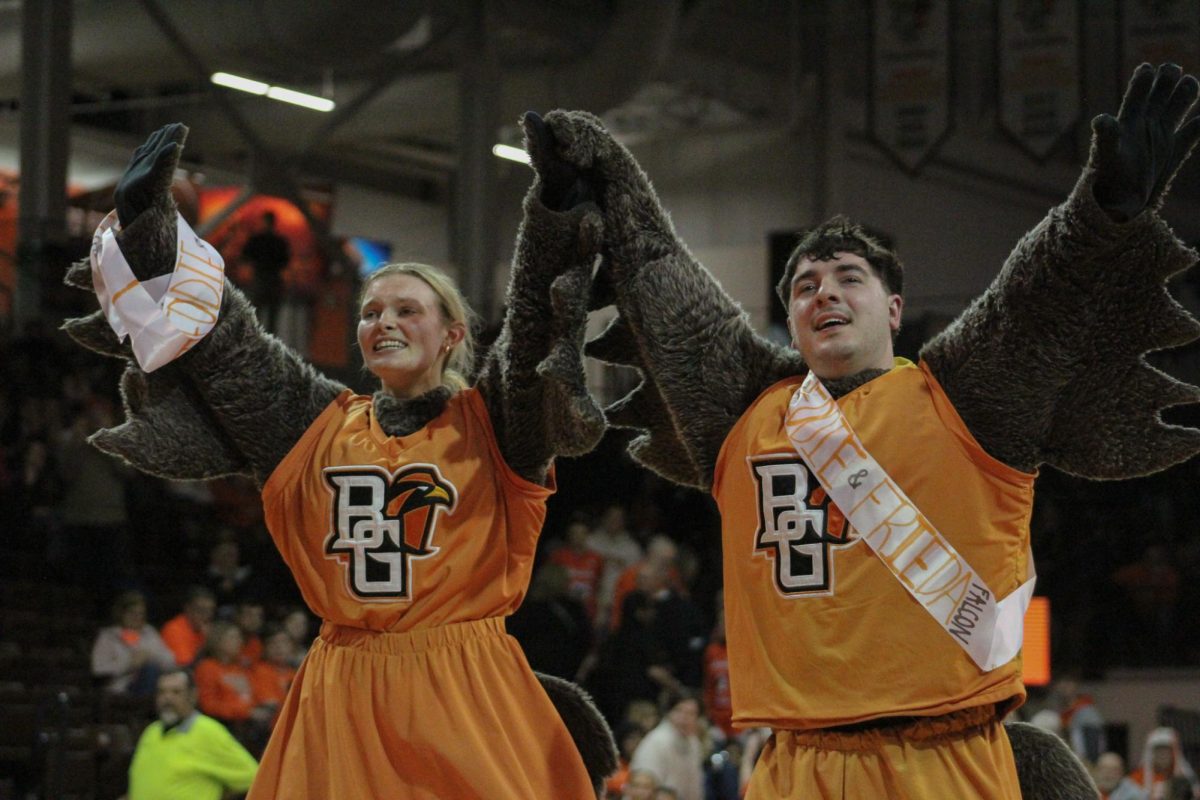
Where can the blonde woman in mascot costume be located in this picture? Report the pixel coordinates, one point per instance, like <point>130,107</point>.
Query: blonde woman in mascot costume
<point>409,518</point>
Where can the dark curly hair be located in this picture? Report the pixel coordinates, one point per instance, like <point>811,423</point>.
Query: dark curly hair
<point>840,235</point>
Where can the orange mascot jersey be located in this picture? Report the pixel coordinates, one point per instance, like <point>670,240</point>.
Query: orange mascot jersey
<point>820,632</point>
<point>412,550</point>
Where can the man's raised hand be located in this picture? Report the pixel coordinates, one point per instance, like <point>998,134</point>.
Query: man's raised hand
<point>564,185</point>
<point>1137,153</point>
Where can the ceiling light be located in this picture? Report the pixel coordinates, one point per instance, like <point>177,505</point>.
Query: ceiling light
<point>273,92</point>
<point>239,83</point>
<point>300,98</point>
<point>511,153</point>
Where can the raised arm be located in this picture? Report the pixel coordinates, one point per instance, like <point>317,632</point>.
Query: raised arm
<point>702,364</point>
<point>1048,365</point>
<point>233,404</point>
<point>533,380</point>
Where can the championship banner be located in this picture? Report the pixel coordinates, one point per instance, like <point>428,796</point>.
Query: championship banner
<point>909,101</point>
<point>989,629</point>
<point>164,316</point>
<point>1039,72</point>
<point>1155,32</point>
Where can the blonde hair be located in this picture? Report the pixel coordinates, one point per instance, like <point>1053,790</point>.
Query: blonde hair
<point>457,369</point>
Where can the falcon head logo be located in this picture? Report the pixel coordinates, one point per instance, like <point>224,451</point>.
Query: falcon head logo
<point>413,498</point>
<point>381,522</point>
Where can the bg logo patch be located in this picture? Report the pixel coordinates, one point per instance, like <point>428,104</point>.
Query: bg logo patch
<point>381,522</point>
<point>797,526</point>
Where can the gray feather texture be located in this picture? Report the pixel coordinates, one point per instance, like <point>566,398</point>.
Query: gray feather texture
<point>533,379</point>
<point>1046,767</point>
<point>701,362</point>
<point>1048,365</point>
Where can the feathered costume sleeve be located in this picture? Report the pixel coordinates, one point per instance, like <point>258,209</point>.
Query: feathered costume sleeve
<point>237,401</point>
<point>533,379</point>
<point>1046,367</point>
<point>701,362</point>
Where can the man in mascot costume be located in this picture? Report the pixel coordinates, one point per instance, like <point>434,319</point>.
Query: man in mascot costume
<point>875,512</point>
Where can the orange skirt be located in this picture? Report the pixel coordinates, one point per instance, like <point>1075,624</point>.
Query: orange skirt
<point>446,712</point>
<point>964,755</point>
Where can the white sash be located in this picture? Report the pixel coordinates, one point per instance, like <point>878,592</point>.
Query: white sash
<point>936,576</point>
<point>163,316</point>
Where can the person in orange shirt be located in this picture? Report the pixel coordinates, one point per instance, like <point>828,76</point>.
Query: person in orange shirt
<point>272,676</point>
<point>629,736</point>
<point>875,511</point>
<point>584,566</point>
<point>409,517</point>
<point>249,617</point>
<point>185,633</point>
<point>222,682</point>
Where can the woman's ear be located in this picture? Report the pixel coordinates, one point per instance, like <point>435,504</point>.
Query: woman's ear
<point>455,333</point>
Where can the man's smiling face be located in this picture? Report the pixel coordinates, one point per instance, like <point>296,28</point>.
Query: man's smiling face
<point>841,316</point>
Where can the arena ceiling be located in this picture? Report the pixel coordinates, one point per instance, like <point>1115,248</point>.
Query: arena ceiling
<point>398,73</point>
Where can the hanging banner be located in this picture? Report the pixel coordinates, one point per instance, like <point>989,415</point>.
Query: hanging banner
<point>1039,72</point>
<point>909,100</point>
<point>1158,31</point>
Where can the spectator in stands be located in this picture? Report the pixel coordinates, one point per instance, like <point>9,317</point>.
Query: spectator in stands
<point>130,655</point>
<point>633,665</point>
<point>585,567</point>
<point>552,625</point>
<point>1162,759</point>
<point>1152,586</point>
<point>185,632</point>
<point>184,753</point>
<point>672,752</point>
<point>1179,788</point>
<point>1083,724</point>
<point>651,574</point>
<point>92,507</point>
<point>641,785</point>
<point>628,736</point>
<point>298,623</point>
<point>717,698</point>
<point>249,617</point>
<point>268,252</point>
<point>1112,781</point>
<point>1049,720</point>
<point>222,683</point>
<point>226,576</point>
<point>722,773</point>
<point>620,551</point>
<point>679,625</point>
<point>39,488</point>
<point>642,713</point>
<point>272,676</point>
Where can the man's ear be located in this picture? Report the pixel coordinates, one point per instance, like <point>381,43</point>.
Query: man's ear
<point>895,308</point>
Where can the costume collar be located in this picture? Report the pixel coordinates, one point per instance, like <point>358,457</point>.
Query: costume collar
<point>400,416</point>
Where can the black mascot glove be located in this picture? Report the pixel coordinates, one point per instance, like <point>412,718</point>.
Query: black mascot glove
<point>564,186</point>
<point>1138,152</point>
<point>149,173</point>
